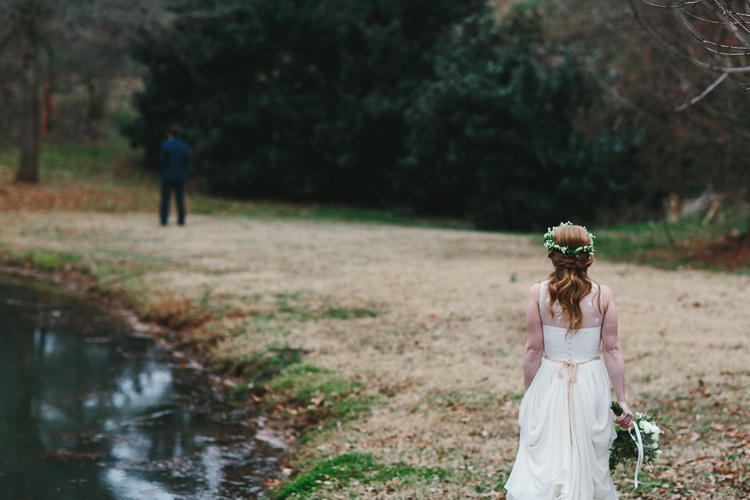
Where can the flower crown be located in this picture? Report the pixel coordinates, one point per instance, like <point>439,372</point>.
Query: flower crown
<point>549,242</point>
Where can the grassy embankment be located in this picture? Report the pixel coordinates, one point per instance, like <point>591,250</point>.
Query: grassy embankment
<point>107,177</point>
<point>649,243</point>
<point>392,352</point>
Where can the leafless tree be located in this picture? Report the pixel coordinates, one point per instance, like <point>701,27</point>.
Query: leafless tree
<point>703,146</point>
<point>721,30</point>
<point>37,24</point>
<point>714,39</point>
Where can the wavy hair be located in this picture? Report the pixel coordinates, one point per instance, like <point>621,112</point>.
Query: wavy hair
<point>569,283</point>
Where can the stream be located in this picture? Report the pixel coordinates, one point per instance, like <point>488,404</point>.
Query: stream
<point>90,409</point>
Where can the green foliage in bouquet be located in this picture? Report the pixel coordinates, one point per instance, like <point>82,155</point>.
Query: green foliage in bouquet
<point>624,448</point>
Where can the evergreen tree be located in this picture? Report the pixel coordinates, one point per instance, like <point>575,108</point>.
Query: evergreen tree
<point>299,99</point>
<point>492,137</point>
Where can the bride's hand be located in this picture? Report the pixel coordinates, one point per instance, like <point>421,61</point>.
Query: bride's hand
<point>627,416</point>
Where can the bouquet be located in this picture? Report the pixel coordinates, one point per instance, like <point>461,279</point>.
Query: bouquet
<point>637,445</point>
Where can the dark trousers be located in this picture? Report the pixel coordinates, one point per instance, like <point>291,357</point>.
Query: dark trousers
<point>166,195</point>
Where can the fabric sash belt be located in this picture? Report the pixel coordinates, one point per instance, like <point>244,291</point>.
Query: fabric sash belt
<point>569,367</point>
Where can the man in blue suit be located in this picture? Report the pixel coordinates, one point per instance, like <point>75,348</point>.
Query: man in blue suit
<point>174,161</point>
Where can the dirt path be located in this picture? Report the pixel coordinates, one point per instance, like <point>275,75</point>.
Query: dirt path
<point>445,350</point>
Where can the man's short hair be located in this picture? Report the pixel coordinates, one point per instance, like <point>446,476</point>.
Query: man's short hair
<point>175,131</point>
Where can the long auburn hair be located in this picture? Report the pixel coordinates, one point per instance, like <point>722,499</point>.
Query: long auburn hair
<point>569,283</point>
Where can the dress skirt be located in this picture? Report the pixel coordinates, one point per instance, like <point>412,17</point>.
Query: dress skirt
<point>567,430</point>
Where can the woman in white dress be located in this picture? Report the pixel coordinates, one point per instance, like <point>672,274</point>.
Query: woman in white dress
<point>566,423</point>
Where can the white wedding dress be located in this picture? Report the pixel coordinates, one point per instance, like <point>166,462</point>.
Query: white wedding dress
<point>566,425</point>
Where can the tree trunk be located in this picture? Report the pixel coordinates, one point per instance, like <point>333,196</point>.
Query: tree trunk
<point>98,89</point>
<point>49,89</point>
<point>28,170</point>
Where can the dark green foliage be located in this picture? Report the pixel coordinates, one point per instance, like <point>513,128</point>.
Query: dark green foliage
<point>299,99</point>
<point>492,137</point>
<point>382,103</point>
<point>353,466</point>
<point>624,448</point>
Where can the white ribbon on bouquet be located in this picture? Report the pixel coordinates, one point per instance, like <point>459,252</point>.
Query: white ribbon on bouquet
<point>639,443</point>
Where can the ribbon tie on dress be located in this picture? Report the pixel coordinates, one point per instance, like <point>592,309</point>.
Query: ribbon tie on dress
<point>569,368</point>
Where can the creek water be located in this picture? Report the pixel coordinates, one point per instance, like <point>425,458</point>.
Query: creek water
<point>91,410</point>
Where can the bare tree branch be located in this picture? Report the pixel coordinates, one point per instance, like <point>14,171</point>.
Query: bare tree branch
<point>672,7</point>
<point>731,20</point>
<point>703,94</point>
<point>723,20</point>
<point>716,68</point>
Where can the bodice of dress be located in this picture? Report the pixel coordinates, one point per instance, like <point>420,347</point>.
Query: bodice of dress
<point>580,345</point>
<point>574,347</point>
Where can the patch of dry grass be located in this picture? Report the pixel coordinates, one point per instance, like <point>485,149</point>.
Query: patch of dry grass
<point>435,350</point>
<point>175,312</point>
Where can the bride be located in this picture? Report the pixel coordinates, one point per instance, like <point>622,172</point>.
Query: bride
<point>566,425</point>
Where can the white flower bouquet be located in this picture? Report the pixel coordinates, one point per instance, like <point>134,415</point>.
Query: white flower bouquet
<point>637,445</point>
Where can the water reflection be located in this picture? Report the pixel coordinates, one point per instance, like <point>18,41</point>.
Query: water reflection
<point>89,411</point>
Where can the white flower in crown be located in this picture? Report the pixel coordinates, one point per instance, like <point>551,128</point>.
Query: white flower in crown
<point>549,242</point>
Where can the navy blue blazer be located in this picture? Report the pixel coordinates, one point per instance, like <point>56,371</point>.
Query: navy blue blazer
<point>174,161</point>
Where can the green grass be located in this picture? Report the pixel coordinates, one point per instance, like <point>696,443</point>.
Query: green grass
<point>304,382</point>
<point>345,469</point>
<point>41,260</point>
<point>76,160</point>
<point>266,366</point>
<point>292,307</point>
<point>648,243</point>
<point>261,209</point>
<point>322,398</point>
<point>115,268</point>
<point>112,166</point>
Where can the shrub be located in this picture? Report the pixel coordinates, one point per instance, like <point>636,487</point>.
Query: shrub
<point>383,103</point>
<point>492,136</point>
<point>298,99</point>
